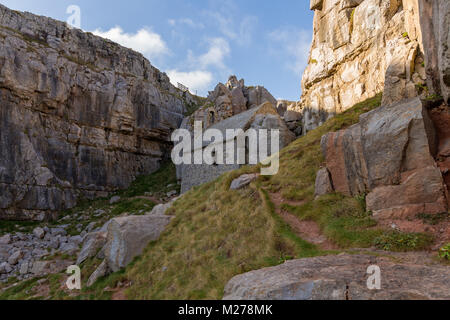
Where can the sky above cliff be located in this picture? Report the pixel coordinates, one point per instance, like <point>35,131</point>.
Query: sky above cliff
<point>202,42</point>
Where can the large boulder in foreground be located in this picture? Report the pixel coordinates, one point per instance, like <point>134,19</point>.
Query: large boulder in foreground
<point>389,155</point>
<point>128,236</point>
<point>342,277</point>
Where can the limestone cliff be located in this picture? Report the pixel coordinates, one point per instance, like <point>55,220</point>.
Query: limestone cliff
<point>361,45</point>
<point>79,116</point>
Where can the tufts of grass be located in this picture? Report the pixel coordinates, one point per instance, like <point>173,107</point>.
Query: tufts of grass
<point>156,183</point>
<point>434,219</point>
<point>397,241</point>
<point>444,252</point>
<point>14,226</point>
<point>342,219</point>
<point>215,235</point>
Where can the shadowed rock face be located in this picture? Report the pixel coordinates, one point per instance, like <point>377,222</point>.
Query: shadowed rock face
<point>79,116</point>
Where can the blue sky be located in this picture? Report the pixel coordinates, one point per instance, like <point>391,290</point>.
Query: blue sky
<point>202,42</point>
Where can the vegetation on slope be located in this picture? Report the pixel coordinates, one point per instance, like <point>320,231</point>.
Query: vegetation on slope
<point>218,233</point>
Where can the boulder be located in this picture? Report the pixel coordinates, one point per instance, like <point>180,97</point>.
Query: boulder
<point>243,181</point>
<point>128,236</point>
<point>39,233</point>
<point>24,268</point>
<point>58,232</point>
<point>342,277</point>
<point>6,239</point>
<point>69,248</point>
<point>92,244</point>
<point>114,200</point>
<point>15,257</point>
<point>323,183</point>
<point>5,268</point>
<point>40,268</point>
<point>100,272</point>
<point>292,116</point>
<point>390,149</point>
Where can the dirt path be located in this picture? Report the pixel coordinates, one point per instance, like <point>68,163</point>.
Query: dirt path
<point>307,230</point>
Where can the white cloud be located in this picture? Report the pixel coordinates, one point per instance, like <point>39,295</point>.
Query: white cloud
<point>194,80</point>
<point>226,15</point>
<point>144,41</point>
<point>187,22</point>
<point>293,45</point>
<point>218,50</point>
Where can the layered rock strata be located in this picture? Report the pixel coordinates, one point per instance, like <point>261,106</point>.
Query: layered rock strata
<point>80,116</point>
<point>362,47</point>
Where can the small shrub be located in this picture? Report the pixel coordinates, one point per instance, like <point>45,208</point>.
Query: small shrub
<point>444,252</point>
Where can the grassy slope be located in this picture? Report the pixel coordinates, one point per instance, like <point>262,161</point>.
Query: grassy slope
<point>218,233</point>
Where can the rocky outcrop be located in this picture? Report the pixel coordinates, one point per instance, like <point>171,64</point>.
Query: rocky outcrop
<point>389,155</point>
<point>362,47</point>
<point>264,116</point>
<point>228,100</point>
<point>81,116</point>
<point>343,277</point>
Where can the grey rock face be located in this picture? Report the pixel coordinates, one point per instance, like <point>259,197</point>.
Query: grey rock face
<point>342,277</point>
<point>80,115</point>
<point>128,236</point>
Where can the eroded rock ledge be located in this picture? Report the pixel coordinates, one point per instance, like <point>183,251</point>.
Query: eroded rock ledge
<point>79,116</point>
<point>342,277</point>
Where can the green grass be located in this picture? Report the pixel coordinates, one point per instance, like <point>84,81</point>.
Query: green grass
<point>218,233</point>
<point>342,219</point>
<point>156,183</point>
<point>13,226</point>
<point>444,252</point>
<point>397,241</point>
